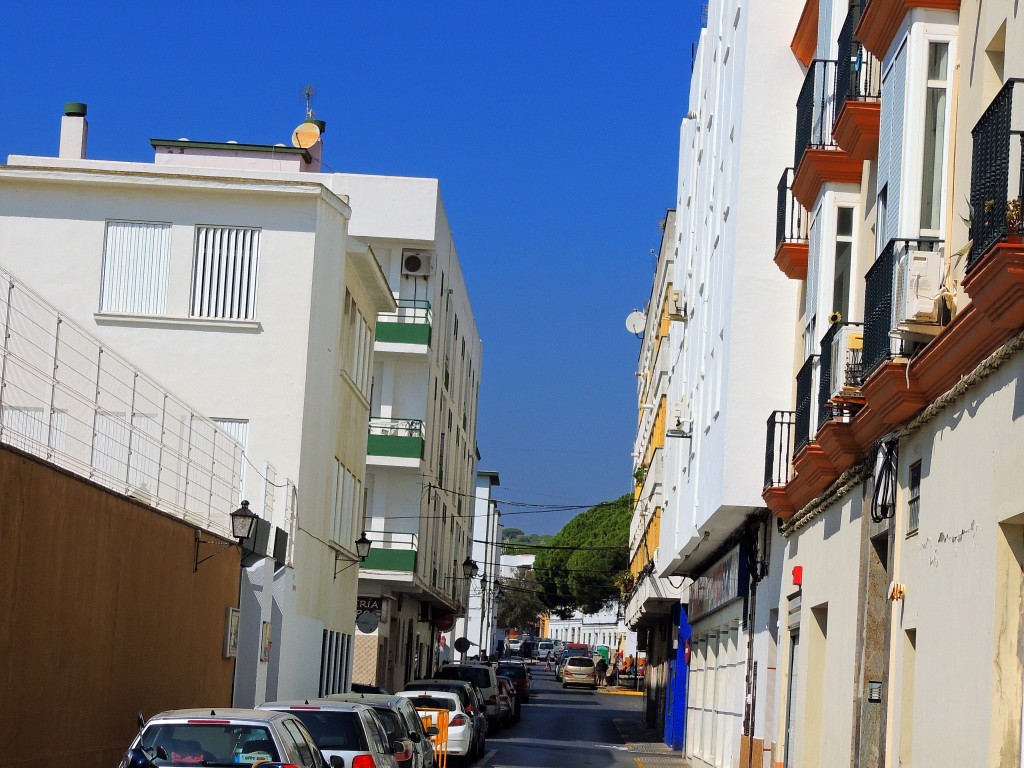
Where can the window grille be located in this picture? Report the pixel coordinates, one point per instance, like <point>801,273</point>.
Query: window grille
<point>135,259</point>
<point>914,498</point>
<point>224,273</point>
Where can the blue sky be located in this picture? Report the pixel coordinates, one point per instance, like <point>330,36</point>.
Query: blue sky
<point>552,126</point>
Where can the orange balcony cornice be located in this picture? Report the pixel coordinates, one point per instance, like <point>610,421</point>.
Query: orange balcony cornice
<point>837,439</point>
<point>791,258</point>
<point>882,18</point>
<point>996,285</point>
<point>958,349</point>
<point>856,130</point>
<point>777,500</point>
<point>820,166</point>
<point>805,39</point>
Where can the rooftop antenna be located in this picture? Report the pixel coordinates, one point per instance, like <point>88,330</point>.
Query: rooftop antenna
<point>308,93</point>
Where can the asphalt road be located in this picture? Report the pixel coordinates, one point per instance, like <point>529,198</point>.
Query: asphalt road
<point>564,728</point>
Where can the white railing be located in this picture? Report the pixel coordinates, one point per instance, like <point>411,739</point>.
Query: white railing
<point>393,540</point>
<point>396,427</point>
<point>67,398</point>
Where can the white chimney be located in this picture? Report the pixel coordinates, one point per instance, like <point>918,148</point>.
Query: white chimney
<point>74,131</point>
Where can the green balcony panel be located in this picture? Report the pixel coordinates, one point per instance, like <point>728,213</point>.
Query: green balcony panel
<point>391,560</point>
<point>395,445</point>
<point>404,333</point>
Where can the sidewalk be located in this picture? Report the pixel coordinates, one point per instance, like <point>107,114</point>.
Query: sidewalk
<point>642,741</point>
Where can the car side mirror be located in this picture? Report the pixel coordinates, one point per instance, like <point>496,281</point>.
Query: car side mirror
<point>414,737</point>
<point>433,730</point>
<point>337,761</point>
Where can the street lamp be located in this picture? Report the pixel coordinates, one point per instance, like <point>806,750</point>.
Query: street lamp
<point>469,568</point>
<point>362,552</point>
<point>243,525</point>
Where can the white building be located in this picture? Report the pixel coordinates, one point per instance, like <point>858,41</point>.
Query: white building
<point>421,463</point>
<point>724,372</point>
<point>228,272</point>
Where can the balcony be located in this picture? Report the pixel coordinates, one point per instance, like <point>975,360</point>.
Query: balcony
<point>995,264</point>
<point>391,552</point>
<point>839,395</point>
<point>804,403</point>
<point>397,438</point>
<point>858,92</point>
<point>791,245</point>
<point>818,159</point>
<point>410,323</point>
<point>884,336</point>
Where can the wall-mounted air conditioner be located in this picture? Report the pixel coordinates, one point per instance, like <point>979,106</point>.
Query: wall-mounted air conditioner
<point>916,282</point>
<point>679,423</point>
<point>417,263</point>
<point>847,350</point>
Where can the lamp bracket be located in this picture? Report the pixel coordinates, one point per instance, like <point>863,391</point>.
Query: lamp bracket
<point>200,540</point>
<point>342,557</point>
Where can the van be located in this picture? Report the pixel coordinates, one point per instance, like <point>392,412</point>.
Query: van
<point>544,647</point>
<point>482,675</point>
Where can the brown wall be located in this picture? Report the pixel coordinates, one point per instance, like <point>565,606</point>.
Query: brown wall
<point>101,617</point>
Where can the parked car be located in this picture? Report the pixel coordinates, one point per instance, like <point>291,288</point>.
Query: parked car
<point>481,674</point>
<point>188,737</point>
<point>472,701</point>
<point>514,645</point>
<point>520,678</point>
<point>579,670</point>
<point>544,647</point>
<point>352,732</point>
<point>401,723</point>
<point>462,739</point>
<point>507,698</point>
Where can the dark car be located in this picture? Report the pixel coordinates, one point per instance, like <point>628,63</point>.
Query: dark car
<point>520,678</point>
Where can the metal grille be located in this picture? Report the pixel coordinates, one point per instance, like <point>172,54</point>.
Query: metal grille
<point>804,397</point>
<point>848,369</point>
<point>914,498</point>
<point>791,218</point>
<point>879,346</point>
<point>815,109</point>
<point>778,452</point>
<point>858,73</point>
<point>224,273</point>
<point>995,211</point>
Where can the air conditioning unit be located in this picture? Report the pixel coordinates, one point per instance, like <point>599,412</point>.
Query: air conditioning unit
<point>916,281</point>
<point>847,351</point>
<point>417,263</point>
<point>679,423</point>
<point>676,305</point>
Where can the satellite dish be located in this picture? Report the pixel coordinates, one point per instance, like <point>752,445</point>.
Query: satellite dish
<point>636,321</point>
<point>306,134</point>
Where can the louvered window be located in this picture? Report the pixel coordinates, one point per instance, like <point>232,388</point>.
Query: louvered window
<point>135,259</point>
<point>224,273</point>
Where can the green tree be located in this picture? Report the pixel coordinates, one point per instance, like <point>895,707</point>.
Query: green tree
<point>520,604</point>
<point>585,561</point>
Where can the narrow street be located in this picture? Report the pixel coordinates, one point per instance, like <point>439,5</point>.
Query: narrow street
<point>577,727</point>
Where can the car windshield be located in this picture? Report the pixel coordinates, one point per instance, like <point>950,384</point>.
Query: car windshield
<point>333,730</point>
<point>579,661</point>
<point>429,702</point>
<point>208,744</point>
<point>518,673</point>
<point>479,675</point>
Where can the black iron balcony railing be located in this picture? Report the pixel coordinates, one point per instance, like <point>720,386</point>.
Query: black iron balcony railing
<point>879,343</point>
<point>840,370</point>
<point>791,219</point>
<point>804,401</point>
<point>858,73</point>
<point>778,450</point>
<point>816,109</point>
<point>995,204</point>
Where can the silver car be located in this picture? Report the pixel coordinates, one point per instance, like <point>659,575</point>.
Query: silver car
<point>401,723</point>
<point>352,732</point>
<point>189,737</point>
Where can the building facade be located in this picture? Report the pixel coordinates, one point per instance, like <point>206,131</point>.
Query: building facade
<point>227,270</point>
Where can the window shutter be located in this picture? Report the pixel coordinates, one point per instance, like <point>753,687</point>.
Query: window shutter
<point>896,140</point>
<point>813,259</point>
<point>135,259</point>
<point>224,273</point>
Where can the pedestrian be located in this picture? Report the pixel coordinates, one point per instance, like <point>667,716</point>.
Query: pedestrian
<point>602,670</point>
<point>547,662</point>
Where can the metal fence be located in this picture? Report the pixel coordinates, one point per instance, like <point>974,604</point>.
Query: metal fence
<point>804,403</point>
<point>858,72</point>
<point>408,311</point>
<point>816,109</point>
<point>778,452</point>
<point>790,217</point>
<point>69,399</point>
<point>997,195</point>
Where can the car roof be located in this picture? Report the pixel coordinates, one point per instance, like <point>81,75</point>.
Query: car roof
<point>308,704</point>
<point>437,694</point>
<point>369,699</point>
<point>227,713</point>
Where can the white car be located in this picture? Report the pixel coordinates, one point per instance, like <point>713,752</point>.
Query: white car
<point>461,737</point>
<point>514,646</point>
<point>189,737</point>
<point>352,732</point>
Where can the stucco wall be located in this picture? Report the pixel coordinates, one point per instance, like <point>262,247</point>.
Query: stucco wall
<point>103,617</point>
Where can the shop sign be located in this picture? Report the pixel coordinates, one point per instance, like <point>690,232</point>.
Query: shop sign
<point>375,604</point>
<point>720,584</point>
